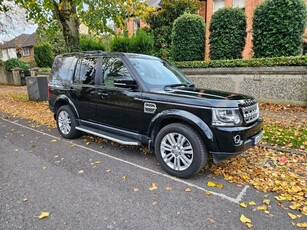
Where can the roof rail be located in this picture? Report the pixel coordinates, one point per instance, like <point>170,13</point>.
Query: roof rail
<point>84,52</point>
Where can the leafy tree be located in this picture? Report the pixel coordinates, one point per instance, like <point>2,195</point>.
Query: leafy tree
<point>278,28</point>
<point>13,20</point>
<point>43,55</point>
<point>188,38</point>
<point>227,34</point>
<point>161,21</point>
<point>69,13</point>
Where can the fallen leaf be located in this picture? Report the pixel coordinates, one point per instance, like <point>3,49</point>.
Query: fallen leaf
<point>211,220</point>
<point>244,219</point>
<point>87,143</point>
<point>283,160</point>
<point>208,193</point>
<point>81,171</point>
<point>187,190</point>
<point>124,177</point>
<point>262,208</point>
<point>302,225</point>
<point>220,186</point>
<point>252,203</point>
<point>266,201</point>
<point>43,215</point>
<point>97,162</point>
<point>292,216</point>
<point>54,140</point>
<point>154,203</point>
<point>135,189</point>
<point>249,225</point>
<point>44,167</point>
<point>168,188</point>
<point>243,205</point>
<point>108,170</point>
<point>211,184</point>
<point>153,186</point>
<point>25,199</point>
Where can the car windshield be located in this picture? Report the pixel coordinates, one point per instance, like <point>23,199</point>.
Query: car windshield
<point>158,73</point>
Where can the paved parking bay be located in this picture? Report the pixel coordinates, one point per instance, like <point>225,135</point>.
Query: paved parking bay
<point>86,185</point>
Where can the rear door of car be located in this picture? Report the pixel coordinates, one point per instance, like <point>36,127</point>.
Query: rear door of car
<point>83,88</point>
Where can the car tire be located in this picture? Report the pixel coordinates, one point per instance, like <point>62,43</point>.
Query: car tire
<point>66,123</point>
<point>180,150</point>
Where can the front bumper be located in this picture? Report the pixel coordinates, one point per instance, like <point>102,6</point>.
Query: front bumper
<point>225,136</point>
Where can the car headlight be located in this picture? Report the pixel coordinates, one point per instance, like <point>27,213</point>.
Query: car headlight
<point>226,117</point>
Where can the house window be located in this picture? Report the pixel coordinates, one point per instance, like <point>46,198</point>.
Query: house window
<point>218,4</point>
<point>305,49</point>
<point>239,3</point>
<point>26,52</point>
<point>137,24</point>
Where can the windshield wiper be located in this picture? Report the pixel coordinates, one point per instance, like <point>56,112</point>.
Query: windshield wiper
<point>179,85</point>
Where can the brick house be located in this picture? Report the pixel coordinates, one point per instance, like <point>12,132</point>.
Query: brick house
<point>21,47</point>
<point>207,8</point>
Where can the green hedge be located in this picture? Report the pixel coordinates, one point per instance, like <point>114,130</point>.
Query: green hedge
<point>120,43</point>
<point>188,38</point>
<point>227,34</point>
<point>256,62</point>
<point>14,62</point>
<point>89,43</point>
<point>278,28</point>
<point>43,55</point>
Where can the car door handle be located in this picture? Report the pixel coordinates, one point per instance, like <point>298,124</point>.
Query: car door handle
<point>102,94</point>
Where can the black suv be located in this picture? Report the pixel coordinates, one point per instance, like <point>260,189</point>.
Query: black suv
<point>137,99</point>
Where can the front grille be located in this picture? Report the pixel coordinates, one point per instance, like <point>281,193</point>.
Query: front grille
<point>250,113</point>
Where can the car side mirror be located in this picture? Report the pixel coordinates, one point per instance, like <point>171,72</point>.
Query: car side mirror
<point>125,82</point>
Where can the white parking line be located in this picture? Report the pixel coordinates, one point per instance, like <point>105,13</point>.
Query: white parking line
<point>223,196</point>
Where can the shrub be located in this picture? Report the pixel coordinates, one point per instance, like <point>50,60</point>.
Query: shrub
<point>120,43</point>
<point>141,42</point>
<point>227,34</point>
<point>89,43</point>
<point>255,62</point>
<point>14,62</point>
<point>188,38</point>
<point>43,55</point>
<point>278,27</point>
<point>161,21</point>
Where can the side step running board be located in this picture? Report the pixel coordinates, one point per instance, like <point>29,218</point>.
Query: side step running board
<point>107,135</point>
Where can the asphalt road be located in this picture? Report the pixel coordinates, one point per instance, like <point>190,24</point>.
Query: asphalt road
<point>106,186</point>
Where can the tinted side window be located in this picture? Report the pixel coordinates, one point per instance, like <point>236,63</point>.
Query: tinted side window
<point>62,68</point>
<point>113,68</point>
<point>85,71</point>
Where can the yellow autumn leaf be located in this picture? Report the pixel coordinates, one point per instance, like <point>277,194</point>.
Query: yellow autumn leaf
<point>302,225</point>
<point>244,219</point>
<point>266,201</point>
<point>87,143</point>
<point>292,216</point>
<point>208,193</point>
<point>168,188</point>
<point>187,190</point>
<point>124,177</point>
<point>262,208</point>
<point>249,225</point>
<point>43,215</point>
<point>243,205</point>
<point>54,141</point>
<point>252,203</point>
<point>211,184</point>
<point>220,186</point>
<point>97,162</point>
<point>153,186</point>
<point>295,206</point>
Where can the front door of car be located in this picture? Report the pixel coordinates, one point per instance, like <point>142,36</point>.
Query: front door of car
<point>116,106</point>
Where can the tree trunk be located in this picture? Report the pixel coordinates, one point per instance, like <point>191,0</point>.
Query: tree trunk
<point>66,15</point>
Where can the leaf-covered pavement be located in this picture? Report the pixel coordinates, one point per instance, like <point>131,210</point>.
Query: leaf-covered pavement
<point>267,170</point>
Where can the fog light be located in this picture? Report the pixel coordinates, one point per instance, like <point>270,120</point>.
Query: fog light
<point>237,139</point>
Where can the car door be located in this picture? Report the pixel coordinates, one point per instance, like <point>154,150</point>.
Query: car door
<point>118,107</point>
<point>83,88</point>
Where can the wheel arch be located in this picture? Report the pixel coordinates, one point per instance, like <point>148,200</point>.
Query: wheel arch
<point>182,116</point>
<point>64,100</point>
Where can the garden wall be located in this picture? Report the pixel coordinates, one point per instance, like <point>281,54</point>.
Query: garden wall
<point>3,78</point>
<point>283,85</point>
